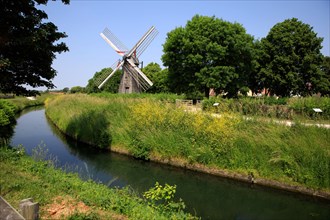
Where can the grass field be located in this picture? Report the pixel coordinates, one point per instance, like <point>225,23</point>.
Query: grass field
<point>149,127</point>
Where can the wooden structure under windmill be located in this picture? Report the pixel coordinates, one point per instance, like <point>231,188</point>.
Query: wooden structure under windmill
<point>133,80</point>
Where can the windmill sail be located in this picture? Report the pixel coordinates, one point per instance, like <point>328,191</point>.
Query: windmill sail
<point>146,43</point>
<point>140,73</point>
<point>114,42</point>
<point>145,40</point>
<point>102,79</point>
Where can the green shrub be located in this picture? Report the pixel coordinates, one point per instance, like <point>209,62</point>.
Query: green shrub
<point>7,112</point>
<point>304,106</point>
<point>162,198</point>
<point>282,108</point>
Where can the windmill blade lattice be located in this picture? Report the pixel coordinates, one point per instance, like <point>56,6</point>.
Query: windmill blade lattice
<point>114,42</point>
<point>146,43</point>
<point>145,40</point>
<point>102,78</point>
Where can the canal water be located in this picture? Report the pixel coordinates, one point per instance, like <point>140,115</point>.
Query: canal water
<point>206,196</point>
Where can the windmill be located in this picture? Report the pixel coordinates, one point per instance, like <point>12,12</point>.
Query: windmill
<point>133,80</point>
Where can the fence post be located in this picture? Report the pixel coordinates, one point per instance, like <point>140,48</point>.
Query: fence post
<point>28,209</point>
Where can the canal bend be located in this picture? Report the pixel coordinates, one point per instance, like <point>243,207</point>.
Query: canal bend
<point>206,196</point>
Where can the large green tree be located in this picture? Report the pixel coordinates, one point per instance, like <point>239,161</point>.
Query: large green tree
<point>111,85</point>
<point>28,45</point>
<point>158,77</point>
<point>208,53</point>
<point>291,59</point>
<point>324,86</point>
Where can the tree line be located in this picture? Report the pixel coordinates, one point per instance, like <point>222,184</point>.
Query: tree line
<point>210,53</point>
<point>206,54</point>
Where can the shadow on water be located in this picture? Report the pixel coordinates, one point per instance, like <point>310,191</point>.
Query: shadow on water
<point>208,196</point>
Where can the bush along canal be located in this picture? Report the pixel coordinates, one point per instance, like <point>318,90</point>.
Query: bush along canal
<point>206,196</point>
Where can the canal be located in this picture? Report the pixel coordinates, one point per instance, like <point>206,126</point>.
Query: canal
<point>206,196</point>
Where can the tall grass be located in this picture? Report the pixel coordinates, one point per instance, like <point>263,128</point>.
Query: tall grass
<point>282,108</point>
<point>150,128</point>
<point>299,154</point>
<point>304,106</point>
<point>82,117</point>
<point>167,97</point>
<point>157,127</point>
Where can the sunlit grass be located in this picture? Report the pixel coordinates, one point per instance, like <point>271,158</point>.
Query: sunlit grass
<point>294,108</point>
<point>149,126</point>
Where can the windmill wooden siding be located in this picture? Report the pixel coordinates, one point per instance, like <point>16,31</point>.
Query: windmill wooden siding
<point>128,84</point>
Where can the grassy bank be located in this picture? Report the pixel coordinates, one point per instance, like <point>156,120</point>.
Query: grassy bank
<point>22,177</point>
<point>9,107</point>
<point>152,129</point>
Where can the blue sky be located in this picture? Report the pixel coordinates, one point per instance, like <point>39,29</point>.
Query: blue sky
<point>83,21</point>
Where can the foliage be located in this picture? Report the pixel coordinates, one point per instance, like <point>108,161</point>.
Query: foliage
<point>304,106</point>
<point>111,85</point>
<point>157,76</point>
<point>162,198</point>
<point>7,113</point>
<point>208,53</point>
<point>325,67</point>
<point>66,89</point>
<point>28,46</point>
<point>7,120</point>
<point>77,89</point>
<point>291,60</point>
<point>25,177</point>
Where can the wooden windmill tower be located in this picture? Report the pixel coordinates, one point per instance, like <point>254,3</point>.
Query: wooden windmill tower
<point>133,80</point>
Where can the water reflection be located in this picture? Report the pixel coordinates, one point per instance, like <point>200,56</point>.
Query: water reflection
<point>208,196</point>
